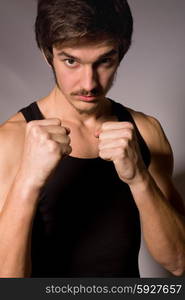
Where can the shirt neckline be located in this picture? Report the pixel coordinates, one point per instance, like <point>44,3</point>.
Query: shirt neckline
<point>113,104</point>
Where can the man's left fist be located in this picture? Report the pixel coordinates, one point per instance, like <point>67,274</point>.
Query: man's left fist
<point>118,143</point>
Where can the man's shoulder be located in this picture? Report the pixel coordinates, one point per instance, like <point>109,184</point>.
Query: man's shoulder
<point>152,132</point>
<point>11,145</point>
<point>15,122</point>
<point>12,133</point>
<point>145,122</point>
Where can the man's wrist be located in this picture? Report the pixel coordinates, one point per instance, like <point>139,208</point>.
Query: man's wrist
<point>25,191</point>
<point>26,183</point>
<point>141,183</point>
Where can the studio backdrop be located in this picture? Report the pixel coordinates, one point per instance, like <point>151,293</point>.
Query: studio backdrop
<point>151,77</point>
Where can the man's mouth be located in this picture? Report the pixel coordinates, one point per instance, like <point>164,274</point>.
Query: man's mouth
<point>87,98</point>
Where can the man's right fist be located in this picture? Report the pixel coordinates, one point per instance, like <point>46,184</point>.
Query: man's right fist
<point>46,142</point>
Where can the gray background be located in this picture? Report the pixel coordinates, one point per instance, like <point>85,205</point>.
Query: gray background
<point>150,79</point>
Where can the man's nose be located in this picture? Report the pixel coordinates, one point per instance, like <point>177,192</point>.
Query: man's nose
<point>89,79</point>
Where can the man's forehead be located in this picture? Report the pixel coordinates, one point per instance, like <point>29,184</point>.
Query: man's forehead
<point>92,49</point>
<point>87,42</point>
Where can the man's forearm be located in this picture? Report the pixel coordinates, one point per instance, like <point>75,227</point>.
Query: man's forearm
<point>16,221</point>
<point>163,228</point>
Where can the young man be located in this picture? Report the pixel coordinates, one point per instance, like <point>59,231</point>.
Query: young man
<point>80,172</point>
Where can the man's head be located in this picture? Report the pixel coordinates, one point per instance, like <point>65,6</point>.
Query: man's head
<point>69,22</point>
<point>84,42</point>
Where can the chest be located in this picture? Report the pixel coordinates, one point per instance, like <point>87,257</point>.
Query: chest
<point>84,143</point>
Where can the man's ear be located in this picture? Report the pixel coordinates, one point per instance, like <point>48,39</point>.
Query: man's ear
<point>45,58</point>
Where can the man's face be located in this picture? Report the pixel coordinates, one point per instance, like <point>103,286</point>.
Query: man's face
<point>85,73</point>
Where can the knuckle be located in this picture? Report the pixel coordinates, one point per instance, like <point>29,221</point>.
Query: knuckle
<point>68,139</point>
<point>44,135</point>
<point>132,132</point>
<point>56,121</point>
<point>128,125</point>
<point>63,131</point>
<point>120,151</point>
<point>68,150</point>
<point>124,142</point>
<point>30,124</point>
<point>35,129</point>
<point>52,146</point>
<point>100,137</point>
<point>131,126</point>
<point>129,133</point>
<point>105,125</point>
<point>65,139</point>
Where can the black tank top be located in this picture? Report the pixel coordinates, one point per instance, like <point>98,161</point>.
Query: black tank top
<point>87,223</point>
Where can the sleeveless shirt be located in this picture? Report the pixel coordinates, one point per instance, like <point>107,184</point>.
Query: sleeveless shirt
<point>87,223</point>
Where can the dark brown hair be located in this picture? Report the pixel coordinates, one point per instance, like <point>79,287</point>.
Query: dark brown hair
<point>61,21</point>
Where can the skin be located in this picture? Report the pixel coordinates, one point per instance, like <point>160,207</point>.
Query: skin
<point>90,131</point>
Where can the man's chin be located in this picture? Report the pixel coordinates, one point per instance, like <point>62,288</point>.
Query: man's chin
<point>86,106</point>
<point>89,108</point>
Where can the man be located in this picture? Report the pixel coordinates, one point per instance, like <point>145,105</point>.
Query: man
<point>80,172</point>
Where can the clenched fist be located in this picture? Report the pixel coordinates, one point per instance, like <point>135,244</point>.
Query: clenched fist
<point>46,142</point>
<point>118,143</point>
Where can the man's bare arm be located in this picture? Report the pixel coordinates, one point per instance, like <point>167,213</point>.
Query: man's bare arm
<point>44,144</point>
<point>16,205</point>
<point>161,207</point>
<point>152,190</point>
<point>16,219</point>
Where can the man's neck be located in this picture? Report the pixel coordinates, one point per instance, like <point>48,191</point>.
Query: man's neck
<point>57,106</point>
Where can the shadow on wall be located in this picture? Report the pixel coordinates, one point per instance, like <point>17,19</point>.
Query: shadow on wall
<point>148,267</point>
<point>179,182</point>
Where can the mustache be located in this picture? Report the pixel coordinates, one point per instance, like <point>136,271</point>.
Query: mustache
<point>94,92</point>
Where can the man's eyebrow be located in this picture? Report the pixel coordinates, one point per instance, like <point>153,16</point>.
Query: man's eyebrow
<point>109,53</point>
<point>63,53</point>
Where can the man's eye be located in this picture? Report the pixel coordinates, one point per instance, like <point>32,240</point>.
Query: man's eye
<point>106,60</point>
<point>70,62</point>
